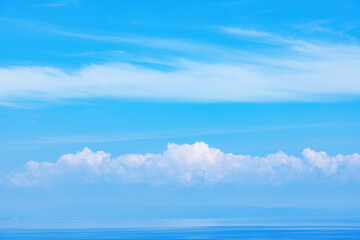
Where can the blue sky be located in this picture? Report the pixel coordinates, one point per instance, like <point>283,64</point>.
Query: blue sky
<point>152,109</point>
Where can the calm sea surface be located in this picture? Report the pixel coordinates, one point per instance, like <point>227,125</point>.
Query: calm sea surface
<point>315,233</point>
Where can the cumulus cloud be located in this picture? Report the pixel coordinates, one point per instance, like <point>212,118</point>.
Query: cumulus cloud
<point>187,164</point>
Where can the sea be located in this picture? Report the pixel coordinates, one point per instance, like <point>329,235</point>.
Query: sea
<point>211,233</point>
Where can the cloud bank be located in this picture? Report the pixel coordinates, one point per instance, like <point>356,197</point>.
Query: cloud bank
<point>187,164</point>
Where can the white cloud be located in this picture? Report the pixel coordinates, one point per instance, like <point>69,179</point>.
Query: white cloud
<point>331,165</point>
<point>300,71</point>
<point>187,164</point>
<point>246,33</point>
<point>322,160</point>
<point>270,38</point>
<point>272,80</point>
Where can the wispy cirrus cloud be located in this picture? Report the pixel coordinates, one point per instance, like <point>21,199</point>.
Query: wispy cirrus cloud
<point>271,38</point>
<point>100,138</point>
<point>280,80</point>
<point>188,164</point>
<point>57,4</point>
<point>310,72</point>
<point>173,44</point>
<point>62,3</point>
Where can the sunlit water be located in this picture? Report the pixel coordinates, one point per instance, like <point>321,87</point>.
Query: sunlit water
<point>288,233</point>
